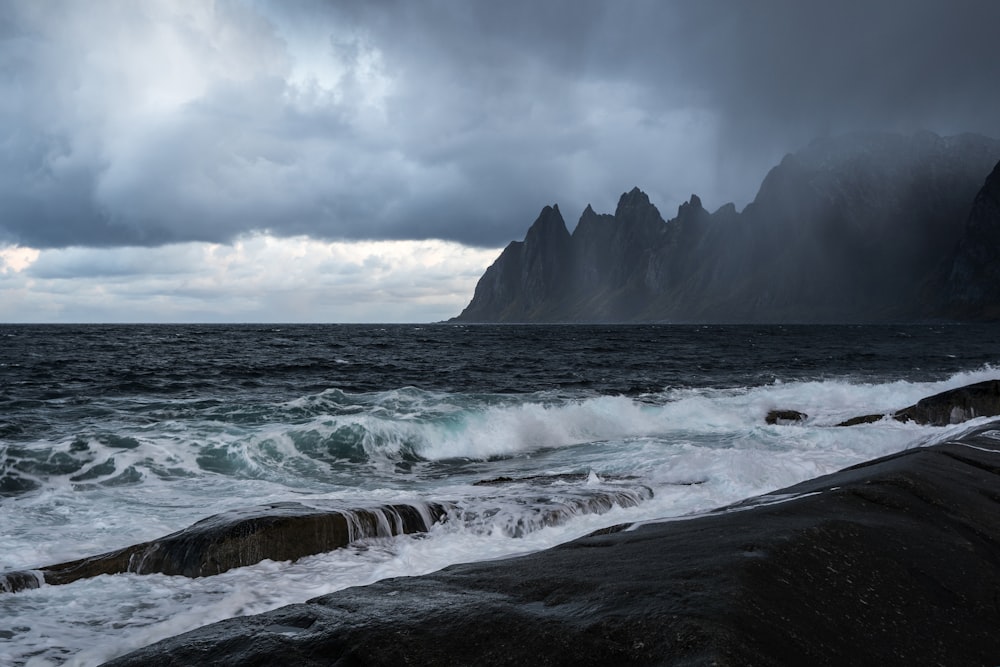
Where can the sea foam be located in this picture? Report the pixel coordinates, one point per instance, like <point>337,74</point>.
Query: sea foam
<point>694,449</point>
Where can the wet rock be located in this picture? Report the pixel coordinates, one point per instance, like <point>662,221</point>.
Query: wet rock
<point>527,504</point>
<point>785,417</point>
<point>572,477</point>
<point>955,406</point>
<point>279,531</point>
<point>892,562</point>
<point>288,531</point>
<point>863,419</point>
<point>11,582</point>
<point>974,282</point>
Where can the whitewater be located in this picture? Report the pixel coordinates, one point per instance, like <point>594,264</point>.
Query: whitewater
<point>115,435</point>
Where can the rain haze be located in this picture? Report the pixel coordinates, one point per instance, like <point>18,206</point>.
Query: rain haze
<point>228,161</point>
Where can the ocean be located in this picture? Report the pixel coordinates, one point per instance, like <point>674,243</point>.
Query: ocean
<point>111,435</point>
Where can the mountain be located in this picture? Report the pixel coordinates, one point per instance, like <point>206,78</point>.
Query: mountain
<point>861,228</point>
<point>974,282</point>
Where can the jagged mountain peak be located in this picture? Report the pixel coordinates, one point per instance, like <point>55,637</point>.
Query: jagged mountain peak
<point>864,228</point>
<point>588,217</point>
<point>548,227</point>
<point>727,209</point>
<point>592,223</point>
<point>634,199</point>
<point>693,205</point>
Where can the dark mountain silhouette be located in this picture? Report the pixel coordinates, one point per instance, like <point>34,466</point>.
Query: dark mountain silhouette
<point>862,228</point>
<point>974,282</point>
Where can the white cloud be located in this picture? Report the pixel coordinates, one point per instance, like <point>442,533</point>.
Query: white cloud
<point>14,259</point>
<point>259,278</point>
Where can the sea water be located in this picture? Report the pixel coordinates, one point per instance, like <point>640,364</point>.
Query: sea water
<point>115,435</point>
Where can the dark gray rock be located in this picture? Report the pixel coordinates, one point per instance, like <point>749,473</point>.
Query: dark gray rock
<point>528,277</point>
<point>863,419</point>
<point>280,531</point>
<point>288,531</point>
<point>974,282</point>
<point>893,562</point>
<point>955,406</point>
<point>785,417</point>
<point>12,582</point>
<point>549,480</point>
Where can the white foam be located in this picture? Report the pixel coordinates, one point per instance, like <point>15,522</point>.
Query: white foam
<point>697,449</point>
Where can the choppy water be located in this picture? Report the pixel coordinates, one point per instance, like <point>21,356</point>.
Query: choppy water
<point>113,435</point>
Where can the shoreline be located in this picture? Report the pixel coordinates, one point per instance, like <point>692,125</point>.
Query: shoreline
<point>893,561</point>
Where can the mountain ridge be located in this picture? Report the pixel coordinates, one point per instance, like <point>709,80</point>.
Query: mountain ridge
<point>869,227</point>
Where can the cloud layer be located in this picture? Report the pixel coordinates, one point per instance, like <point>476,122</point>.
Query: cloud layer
<point>257,278</point>
<point>162,123</point>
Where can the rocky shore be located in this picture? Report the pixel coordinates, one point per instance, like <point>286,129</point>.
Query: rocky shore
<point>279,531</point>
<point>892,562</point>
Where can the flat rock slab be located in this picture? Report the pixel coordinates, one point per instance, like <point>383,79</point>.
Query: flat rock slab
<point>892,562</point>
<point>279,531</point>
<point>290,530</point>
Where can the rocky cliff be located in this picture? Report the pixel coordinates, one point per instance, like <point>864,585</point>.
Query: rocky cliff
<point>974,282</point>
<point>862,228</point>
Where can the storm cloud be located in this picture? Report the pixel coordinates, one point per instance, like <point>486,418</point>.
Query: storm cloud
<point>151,123</point>
<point>257,160</point>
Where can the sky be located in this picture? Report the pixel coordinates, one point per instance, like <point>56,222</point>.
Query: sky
<point>365,161</point>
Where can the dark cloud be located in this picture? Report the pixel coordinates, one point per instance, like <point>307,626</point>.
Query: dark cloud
<point>151,123</point>
<point>798,68</point>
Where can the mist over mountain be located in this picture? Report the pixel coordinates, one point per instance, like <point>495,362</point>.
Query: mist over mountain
<point>868,227</point>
